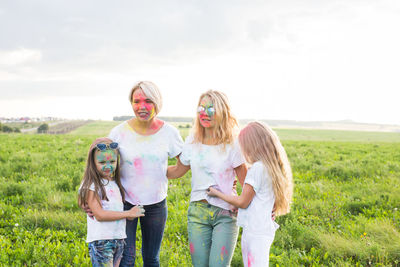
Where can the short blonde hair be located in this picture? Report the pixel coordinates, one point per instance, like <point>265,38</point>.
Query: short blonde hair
<point>259,142</point>
<point>151,91</point>
<point>225,122</point>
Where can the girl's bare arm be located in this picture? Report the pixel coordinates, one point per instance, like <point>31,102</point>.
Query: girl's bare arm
<point>109,215</point>
<point>241,201</point>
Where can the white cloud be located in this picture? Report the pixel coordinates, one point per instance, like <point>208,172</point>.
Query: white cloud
<point>281,59</point>
<point>20,56</point>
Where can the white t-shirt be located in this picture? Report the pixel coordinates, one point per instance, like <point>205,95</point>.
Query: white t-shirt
<point>211,165</point>
<point>107,230</point>
<point>256,218</point>
<point>144,161</point>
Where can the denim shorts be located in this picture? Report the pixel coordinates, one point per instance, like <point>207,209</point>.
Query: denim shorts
<point>106,252</point>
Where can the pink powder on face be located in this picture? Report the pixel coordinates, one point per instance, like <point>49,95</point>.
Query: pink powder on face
<point>191,248</point>
<point>140,102</point>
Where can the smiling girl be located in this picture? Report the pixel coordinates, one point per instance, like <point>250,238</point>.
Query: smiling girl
<point>102,191</point>
<point>213,155</point>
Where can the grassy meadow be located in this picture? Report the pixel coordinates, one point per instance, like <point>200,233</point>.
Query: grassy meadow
<point>345,209</point>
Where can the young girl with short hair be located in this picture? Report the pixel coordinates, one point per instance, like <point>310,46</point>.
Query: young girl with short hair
<point>102,191</point>
<point>268,185</point>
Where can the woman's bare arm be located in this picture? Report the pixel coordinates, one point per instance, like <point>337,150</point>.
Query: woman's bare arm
<point>178,170</point>
<point>241,172</point>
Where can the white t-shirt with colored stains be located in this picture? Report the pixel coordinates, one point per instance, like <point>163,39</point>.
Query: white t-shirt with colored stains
<point>212,165</point>
<point>107,230</point>
<point>256,218</point>
<point>144,161</point>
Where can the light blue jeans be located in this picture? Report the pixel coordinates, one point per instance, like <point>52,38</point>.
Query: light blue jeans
<point>212,235</point>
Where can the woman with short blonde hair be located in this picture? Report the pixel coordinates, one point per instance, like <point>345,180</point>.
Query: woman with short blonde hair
<point>146,143</point>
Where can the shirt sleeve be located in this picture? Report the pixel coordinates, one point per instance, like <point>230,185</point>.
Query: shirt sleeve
<point>186,151</point>
<point>91,187</point>
<point>254,176</point>
<point>237,158</point>
<point>176,143</point>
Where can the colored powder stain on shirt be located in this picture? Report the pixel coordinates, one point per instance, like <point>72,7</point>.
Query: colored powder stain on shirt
<point>133,197</point>
<point>152,158</point>
<point>137,162</point>
<point>191,248</point>
<point>223,252</point>
<point>111,192</point>
<point>250,259</point>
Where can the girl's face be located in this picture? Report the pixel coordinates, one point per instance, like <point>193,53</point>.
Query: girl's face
<point>206,112</point>
<point>143,107</point>
<point>106,162</point>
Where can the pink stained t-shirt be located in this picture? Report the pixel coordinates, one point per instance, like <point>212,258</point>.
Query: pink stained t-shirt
<point>144,161</point>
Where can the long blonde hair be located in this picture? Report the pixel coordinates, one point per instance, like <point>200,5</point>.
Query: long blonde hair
<point>225,122</point>
<point>93,176</point>
<point>260,143</point>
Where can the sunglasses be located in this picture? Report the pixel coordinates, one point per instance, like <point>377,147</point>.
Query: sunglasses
<point>209,110</point>
<point>102,147</point>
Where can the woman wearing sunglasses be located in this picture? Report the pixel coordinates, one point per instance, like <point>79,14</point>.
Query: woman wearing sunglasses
<point>213,154</point>
<point>145,144</point>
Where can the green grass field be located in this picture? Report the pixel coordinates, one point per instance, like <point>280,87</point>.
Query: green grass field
<point>102,128</point>
<point>345,209</point>
<point>337,135</point>
<point>98,128</point>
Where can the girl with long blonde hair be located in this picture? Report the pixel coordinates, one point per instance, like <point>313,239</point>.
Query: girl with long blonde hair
<point>214,157</point>
<point>267,186</point>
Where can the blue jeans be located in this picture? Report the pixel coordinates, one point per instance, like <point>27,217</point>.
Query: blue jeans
<point>106,252</point>
<point>212,235</point>
<point>152,226</point>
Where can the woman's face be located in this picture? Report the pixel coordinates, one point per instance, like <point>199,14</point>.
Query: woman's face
<point>142,106</point>
<point>206,112</point>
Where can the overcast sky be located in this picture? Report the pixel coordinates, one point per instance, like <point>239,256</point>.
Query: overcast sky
<point>296,60</point>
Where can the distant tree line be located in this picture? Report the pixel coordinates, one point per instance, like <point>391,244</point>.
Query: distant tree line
<point>43,128</point>
<point>170,119</point>
<point>8,129</point>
